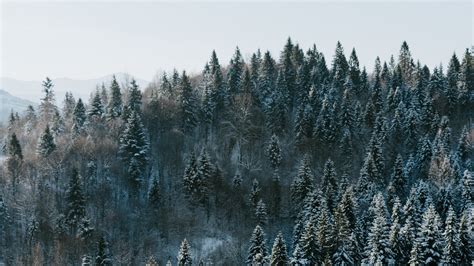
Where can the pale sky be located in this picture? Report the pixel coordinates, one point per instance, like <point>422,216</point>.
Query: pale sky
<point>85,40</point>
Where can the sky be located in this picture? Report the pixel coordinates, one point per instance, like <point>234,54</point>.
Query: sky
<point>85,40</point>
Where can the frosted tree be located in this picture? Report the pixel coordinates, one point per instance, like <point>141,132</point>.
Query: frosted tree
<point>261,213</point>
<point>79,117</point>
<point>133,148</point>
<point>430,237</point>
<point>308,242</point>
<point>154,195</point>
<point>115,105</point>
<point>255,193</point>
<point>96,109</point>
<point>15,156</point>
<point>279,252</point>
<point>303,182</point>
<point>188,104</point>
<point>47,107</point>
<point>69,104</point>
<point>184,255</point>
<point>274,152</point>
<point>325,231</point>
<point>134,102</point>
<point>466,242</point>
<point>103,254</point>
<point>329,183</point>
<point>46,143</point>
<point>257,246</point>
<point>378,246</point>
<point>76,208</point>
<point>395,240</point>
<point>236,69</point>
<point>451,240</point>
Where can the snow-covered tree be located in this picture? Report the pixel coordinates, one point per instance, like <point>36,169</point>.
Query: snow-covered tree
<point>46,144</point>
<point>184,255</point>
<point>279,252</point>
<point>257,246</point>
<point>274,152</point>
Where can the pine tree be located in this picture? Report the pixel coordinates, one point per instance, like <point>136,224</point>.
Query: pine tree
<point>325,231</point>
<point>134,102</point>
<point>451,239</point>
<point>257,245</point>
<point>310,247</point>
<point>188,104</point>
<point>274,152</point>
<point>255,193</point>
<point>303,182</point>
<point>133,148</point>
<point>329,183</point>
<point>340,67</point>
<point>466,244</point>
<point>398,181</point>
<point>395,240</point>
<point>236,69</point>
<point>430,237</point>
<point>15,156</point>
<point>76,209</point>
<point>46,143</point>
<point>96,109</point>
<point>103,256</point>
<point>415,256</point>
<point>68,105</point>
<point>354,71</point>
<point>154,195</point>
<point>115,106</point>
<point>466,79</point>
<point>279,253</point>
<point>47,107</point>
<point>79,117</point>
<point>276,194</point>
<point>184,255</point>
<point>378,246</point>
<point>261,213</point>
<point>406,63</point>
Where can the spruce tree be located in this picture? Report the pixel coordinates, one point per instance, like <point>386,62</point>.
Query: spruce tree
<point>79,117</point>
<point>274,152</point>
<point>133,148</point>
<point>115,106</point>
<point>188,104</point>
<point>234,75</point>
<point>451,239</point>
<point>261,213</point>
<point>103,256</point>
<point>430,237</point>
<point>76,209</point>
<point>184,255</point>
<point>46,143</point>
<point>310,247</point>
<point>303,182</point>
<point>329,183</point>
<point>255,193</point>
<point>96,109</point>
<point>154,195</point>
<point>257,246</point>
<point>279,253</point>
<point>47,107</point>
<point>378,246</point>
<point>466,242</point>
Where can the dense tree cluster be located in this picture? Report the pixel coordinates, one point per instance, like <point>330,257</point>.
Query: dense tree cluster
<point>333,163</point>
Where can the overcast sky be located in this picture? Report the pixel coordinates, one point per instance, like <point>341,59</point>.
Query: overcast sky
<point>87,40</point>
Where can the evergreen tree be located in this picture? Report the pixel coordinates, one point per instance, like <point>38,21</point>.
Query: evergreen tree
<point>188,104</point>
<point>451,239</point>
<point>184,255</point>
<point>154,195</point>
<point>354,71</point>
<point>329,183</point>
<point>257,246</point>
<point>378,246</point>
<point>76,209</point>
<point>103,256</point>
<point>47,107</point>
<point>68,105</point>
<point>46,143</point>
<point>96,109</point>
<point>340,67</point>
<point>325,231</point>
<point>303,182</point>
<point>114,108</point>
<point>276,194</point>
<point>430,237</point>
<point>133,148</point>
<point>255,193</point>
<point>15,156</point>
<point>236,69</point>
<point>274,152</point>
<point>466,79</point>
<point>279,253</point>
<point>466,242</point>
<point>261,213</point>
<point>79,117</point>
<point>310,247</point>
<point>395,240</point>
<point>134,102</point>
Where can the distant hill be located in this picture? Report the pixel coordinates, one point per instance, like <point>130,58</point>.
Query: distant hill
<point>9,102</point>
<point>32,90</point>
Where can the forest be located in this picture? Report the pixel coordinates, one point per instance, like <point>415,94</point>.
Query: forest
<point>289,159</point>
